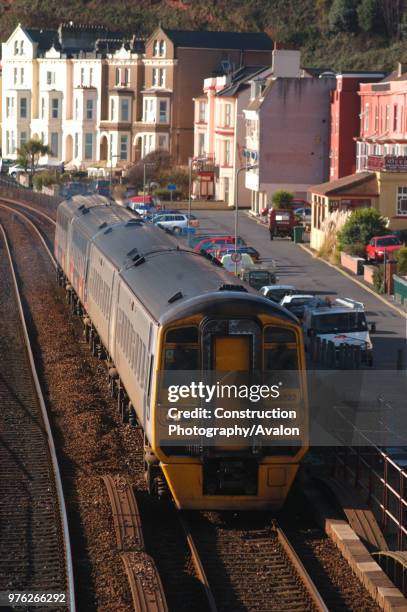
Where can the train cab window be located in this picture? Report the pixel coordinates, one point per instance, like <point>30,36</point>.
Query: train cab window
<point>281,354</point>
<point>181,349</point>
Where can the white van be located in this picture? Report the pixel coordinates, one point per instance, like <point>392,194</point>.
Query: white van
<point>341,322</point>
<point>244,261</point>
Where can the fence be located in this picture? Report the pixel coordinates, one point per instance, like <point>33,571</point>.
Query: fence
<point>14,191</point>
<point>327,355</point>
<point>380,474</point>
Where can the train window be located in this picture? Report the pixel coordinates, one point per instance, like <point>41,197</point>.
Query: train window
<point>181,358</point>
<point>280,357</point>
<point>278,334</point>
<point>188,335</point>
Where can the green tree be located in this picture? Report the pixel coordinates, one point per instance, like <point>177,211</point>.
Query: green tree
<point>282,199</point>
<point>362,225</point>
<point>370,17</point>
<point>28,156</point>
<point>401,258</point>
<point>343,16</point>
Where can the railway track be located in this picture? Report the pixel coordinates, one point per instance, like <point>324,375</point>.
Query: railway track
<point>279,580</point>
<point>35,552</point>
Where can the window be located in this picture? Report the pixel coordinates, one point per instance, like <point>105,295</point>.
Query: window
<point>111,109</point>
<point>366,122</point>
<point>90,76</point>
<point>16,47</point>
<point>23,108</point>
<point>201,144</point>
<point>55,108</point>
<point>227,153</point>
<point>13,143</point>
<point>226,189</point>
<point>117,76</point>
<point>376,119</point>
<point>162,142</point>
<point>156,48</point>
<point>123,147</point>
<point>88,146</point>
<point>89,110</point>
<point>7,142</point>
<point>21,47</point>
<point>163,116</point>
<point>8,107</point>
<point>76,153</point>
<point>42,108</point>
<point>158,77</point>
<point>202,112</point>
<point>82,76</point>
<point>126,76</point>
<point>50,78</point>
<point>15,76</point>
<point>387,122</point>
<point>228,114</point>
<point>149,110</point>
<point>110,145</point>
<point>21,76</point>
<point>162,48</point>
<point>155,76</point>
<point>76,108</point>
<point>181,349</point>
<point>23,138</point>
<point>54,144</point>
<point>162,77</point>
<point>395,118</point>
<point>402,201</point>
<point>124,110</point>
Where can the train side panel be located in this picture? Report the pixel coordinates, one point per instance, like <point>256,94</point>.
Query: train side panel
<point>99,285</point>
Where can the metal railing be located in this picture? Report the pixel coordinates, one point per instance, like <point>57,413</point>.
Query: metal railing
<point>380,473</point>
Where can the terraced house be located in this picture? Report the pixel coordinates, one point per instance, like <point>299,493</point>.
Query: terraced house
<point>102,98</point>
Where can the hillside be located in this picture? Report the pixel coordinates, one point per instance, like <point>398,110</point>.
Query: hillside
<point>342,34</point>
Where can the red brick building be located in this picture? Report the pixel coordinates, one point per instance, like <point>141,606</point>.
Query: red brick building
<point>345,121</point>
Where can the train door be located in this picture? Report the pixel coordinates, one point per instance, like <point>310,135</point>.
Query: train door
<point>232,353</point>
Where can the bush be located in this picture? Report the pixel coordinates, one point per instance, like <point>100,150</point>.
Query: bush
<point>343,16</point>
<point>357,249</point>
<point>165,194</point>
<point>37,182</point>
<point>362,225</point>
<point>282,199</point>
<point>401,258</point>
<point>378,280</point>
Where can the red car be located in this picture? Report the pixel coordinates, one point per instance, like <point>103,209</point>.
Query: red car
<point>379,245</point>
<point>216,241</point>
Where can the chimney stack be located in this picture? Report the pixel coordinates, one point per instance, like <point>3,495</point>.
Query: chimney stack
<point>401,68</point>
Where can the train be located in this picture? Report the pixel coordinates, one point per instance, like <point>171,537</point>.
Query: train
<point>151,307</point>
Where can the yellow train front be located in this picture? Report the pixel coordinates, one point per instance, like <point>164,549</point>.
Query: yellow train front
<point>228,340</point>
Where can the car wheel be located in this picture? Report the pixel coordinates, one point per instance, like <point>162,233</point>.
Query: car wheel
<point>176,230</point>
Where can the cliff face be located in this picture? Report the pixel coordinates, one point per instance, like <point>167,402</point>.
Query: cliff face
<point>313,26</point>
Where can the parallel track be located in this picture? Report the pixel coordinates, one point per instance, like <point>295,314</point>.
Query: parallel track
<point>34,536</point>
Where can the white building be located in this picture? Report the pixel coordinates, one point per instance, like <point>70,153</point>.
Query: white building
<point>60,86</point>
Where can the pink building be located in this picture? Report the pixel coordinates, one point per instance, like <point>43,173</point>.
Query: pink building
<point>383,125</point>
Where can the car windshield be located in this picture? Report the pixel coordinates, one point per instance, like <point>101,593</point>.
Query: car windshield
<point>277,294</point>
<point>339,322</point>
<point>390,241</point>
<point>299,302</point>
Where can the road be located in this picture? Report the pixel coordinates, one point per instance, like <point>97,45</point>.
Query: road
<point>298,268</point>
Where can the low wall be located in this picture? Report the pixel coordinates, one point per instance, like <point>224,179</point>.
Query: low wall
<point>400,289</point>
<point>368,272</point>
<point>354,264</point>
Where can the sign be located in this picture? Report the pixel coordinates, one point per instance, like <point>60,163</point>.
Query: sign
<point>236,257</point>
<point>392,163</point>
<point>171,187</point>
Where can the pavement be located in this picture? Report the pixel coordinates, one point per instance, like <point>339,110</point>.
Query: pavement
<point>296,266</point>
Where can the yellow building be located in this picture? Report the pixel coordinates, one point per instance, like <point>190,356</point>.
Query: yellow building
<point>384,188</point>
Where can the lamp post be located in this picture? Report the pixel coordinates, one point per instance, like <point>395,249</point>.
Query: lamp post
<point>235,195</point>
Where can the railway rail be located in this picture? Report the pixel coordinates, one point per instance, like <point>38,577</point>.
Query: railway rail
<point>34,535</point>
<point>287,584</point>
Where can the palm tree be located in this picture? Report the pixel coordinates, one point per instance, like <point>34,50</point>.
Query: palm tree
<point>28,156</point>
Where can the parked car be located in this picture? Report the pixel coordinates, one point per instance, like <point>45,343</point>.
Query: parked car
<point>5,164</point>
<point>282,222</point>
<point>17,169</point>
<point>194,240</point>
<point>340,322</point>
<point>174,222</point>
<point>230,265</point>
<point>379,245</point>
<point>277,292</point>
<point>297,303</point>
<point>218,253</point>
<point>258,277</point>
<point>217,241</point>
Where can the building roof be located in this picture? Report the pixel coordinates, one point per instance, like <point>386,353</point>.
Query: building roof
<point>44,38</point>
<point>344,184</point>
<point>238,79</point>
<point>254,41</point>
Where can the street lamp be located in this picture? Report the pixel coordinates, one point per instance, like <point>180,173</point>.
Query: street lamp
<point>235,195</point>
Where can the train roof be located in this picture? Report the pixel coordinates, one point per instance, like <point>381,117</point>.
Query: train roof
<point>167,278</point>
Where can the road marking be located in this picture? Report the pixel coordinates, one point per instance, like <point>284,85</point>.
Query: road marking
<point>376,295</point>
